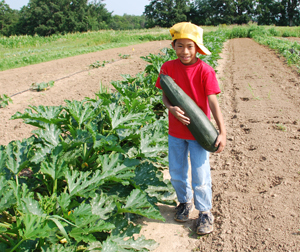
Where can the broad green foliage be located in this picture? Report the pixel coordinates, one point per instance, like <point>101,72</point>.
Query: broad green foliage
<point>90,168</point>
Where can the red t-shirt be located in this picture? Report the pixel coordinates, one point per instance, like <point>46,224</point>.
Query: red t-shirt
<point>197,81</point>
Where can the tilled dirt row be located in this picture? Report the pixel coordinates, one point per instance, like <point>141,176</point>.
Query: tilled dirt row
<point>256,179</point>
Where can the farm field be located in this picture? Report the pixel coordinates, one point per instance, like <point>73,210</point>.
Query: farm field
<point>255,180</point>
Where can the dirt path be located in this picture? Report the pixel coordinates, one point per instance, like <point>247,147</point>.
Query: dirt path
<point>255,180</point>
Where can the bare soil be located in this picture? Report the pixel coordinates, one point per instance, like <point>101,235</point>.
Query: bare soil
<point>256,199</point>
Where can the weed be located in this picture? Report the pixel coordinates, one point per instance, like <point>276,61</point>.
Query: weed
<point>269,95</point>
<point>43,86</point>
<point>98,64</point>
<point>124,56</point>
<point>4,100</point>
<point>251,90</point>
<point>280,127</point>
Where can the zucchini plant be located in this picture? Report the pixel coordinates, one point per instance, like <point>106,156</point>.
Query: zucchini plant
<point>89,170</point>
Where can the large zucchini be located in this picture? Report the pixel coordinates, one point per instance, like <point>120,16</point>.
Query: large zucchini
<point>200,126</point>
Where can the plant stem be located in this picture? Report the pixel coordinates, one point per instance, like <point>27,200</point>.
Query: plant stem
<point>17,245</point>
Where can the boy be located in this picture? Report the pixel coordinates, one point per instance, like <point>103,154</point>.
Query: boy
<point>198,80</point>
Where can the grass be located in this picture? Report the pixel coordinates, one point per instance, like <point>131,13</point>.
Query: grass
<point>18,51</point>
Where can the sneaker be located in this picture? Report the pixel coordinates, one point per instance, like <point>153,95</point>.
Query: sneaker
<point>205,223</point>
<point>183,210</point>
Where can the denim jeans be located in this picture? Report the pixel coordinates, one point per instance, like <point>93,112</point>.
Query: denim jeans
<point>201,178</point>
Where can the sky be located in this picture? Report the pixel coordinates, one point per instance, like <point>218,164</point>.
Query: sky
<point>119,7</point>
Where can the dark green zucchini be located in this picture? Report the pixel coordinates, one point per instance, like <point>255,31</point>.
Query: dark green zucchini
<point>200,126</point>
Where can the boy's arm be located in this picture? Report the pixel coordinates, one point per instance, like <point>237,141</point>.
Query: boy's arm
<point>217,114</point>
<point>176,111</point>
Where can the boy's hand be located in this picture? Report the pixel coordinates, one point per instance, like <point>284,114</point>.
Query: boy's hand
<point>179,114</point>
<point>221,141</point>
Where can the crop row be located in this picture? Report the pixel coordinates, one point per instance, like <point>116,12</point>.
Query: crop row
<point>92,167</point>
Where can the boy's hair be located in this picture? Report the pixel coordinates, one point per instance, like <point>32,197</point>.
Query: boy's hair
<point>187,30</point>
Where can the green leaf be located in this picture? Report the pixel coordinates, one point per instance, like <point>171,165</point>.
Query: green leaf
<point>148,146</point>
<point>64,200</point>
<point>124,228</point>
<point>103,206</point>
<point>50,138</point>
<point>109,143</point>
<point>81,183</point>
<point>7,198</point>
<point>4,100</point>
<point>59,248</point>
<point>3,157</point>
<point>81,111</point>
<point>17,155</point>
<point>137,203</point>
<point>53,165</point>
<point>34,227</point>
<point>113,169</point>
<point>44,115</point>
<point>118,120</point>
<point>139,244</point>
<point>31,206</point>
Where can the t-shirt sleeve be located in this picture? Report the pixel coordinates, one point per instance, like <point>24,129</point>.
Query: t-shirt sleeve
<point>211,83</point>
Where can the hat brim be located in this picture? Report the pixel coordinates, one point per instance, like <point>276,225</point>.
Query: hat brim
<point>203,50</point>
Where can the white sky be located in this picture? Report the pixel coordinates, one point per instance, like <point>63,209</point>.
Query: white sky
<point>119,7</point>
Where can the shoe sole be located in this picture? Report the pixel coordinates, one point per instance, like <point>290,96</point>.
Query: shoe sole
<point>205,233</point>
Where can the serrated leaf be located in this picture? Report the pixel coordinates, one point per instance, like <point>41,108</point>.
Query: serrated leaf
<point>31,206</point>
<point>80,183</point>
<point>53,166</point>
<point>50,137</point>
<point>118,120</point>
<point>139,244</point>
<point>64,200</point>
<point>124,228</point>
<point>149,147</point>
<point>137,203</point>
<point>103,206</point>
<point>7,198</point>
<point>81,111</point>
<point>34,227</point>
<point>59,248</point>
<point>45,114</point>
<point>113,169</point>
<point>109,143</point>
<point>17,156</point>
<point>92,225</point>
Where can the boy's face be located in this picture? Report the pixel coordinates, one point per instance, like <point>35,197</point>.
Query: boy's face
<point>186,51</point>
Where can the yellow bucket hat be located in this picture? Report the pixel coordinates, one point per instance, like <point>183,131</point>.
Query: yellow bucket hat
<point>187,30</point>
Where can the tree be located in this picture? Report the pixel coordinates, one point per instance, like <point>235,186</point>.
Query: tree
<point>127,22</point>
<point>282,13</point>
<point>8,19</point>
<point>47,17</point>
<point>215,12</point>
<point>165,13</point>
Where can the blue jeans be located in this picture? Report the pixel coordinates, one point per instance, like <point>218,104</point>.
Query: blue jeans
<point>201,178</point>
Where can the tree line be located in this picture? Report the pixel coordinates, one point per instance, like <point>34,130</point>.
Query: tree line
<point>47,17</point>
<point>166,13</point>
